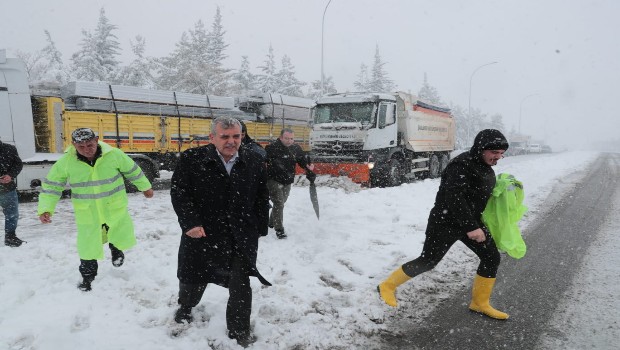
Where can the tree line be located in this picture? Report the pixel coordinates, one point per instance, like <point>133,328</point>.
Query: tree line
<point>196,65</point>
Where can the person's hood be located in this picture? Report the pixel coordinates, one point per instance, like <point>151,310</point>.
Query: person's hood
<point>488,139</point>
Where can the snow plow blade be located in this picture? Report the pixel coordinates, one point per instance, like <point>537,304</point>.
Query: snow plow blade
<point>357,172</point>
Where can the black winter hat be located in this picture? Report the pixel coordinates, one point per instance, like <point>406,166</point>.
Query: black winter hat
<point>488,139</point>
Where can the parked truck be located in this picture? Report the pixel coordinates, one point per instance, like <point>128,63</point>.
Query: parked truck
<point>151,126</point>
<point>380,139</point>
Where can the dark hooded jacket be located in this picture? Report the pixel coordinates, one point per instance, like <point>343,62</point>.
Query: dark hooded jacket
<point>233,210</point>
<point>10,164</point>
<point>466,185</point>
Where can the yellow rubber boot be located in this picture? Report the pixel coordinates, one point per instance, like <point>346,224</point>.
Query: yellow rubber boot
<point>387,288</point>
<point>481,293</point>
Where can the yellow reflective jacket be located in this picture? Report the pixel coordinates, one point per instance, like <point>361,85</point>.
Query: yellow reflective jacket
<point>503,211</point>
<point>98,196</point>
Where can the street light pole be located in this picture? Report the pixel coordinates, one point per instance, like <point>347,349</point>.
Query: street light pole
<point>521,109</point>
<point>322,34</point>
<point>469,105</point>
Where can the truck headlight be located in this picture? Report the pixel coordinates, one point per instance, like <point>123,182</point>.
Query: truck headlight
<point>371,165</point>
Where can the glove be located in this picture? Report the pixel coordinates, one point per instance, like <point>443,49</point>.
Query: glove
<point>310,175</point>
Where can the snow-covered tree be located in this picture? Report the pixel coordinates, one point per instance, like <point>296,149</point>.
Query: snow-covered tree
<point>429,93</point>
<point>314,90</point>
<point>362,84</point>
<point>96,59</point>
<point>219,75</point>
<point>243,80</point>
<point>140,71</point>
<point>289,84</point>
<point>379,81</point>
<point>268,81</point>
<point>196,63</point>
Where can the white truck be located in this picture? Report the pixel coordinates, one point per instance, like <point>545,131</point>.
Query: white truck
<point>380,139</point>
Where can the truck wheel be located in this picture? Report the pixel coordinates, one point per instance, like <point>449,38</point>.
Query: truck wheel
<point>395,176</point>
<point>445,159</point>
<point>434,167</point>
<point>147,169</point>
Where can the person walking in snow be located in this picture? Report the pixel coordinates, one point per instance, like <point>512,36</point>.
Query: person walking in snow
<point>10,166</point>
<point>219,193</point>
<point>249,143</point>
<point>466,186</point>
<point>95,172</point>
<point>282,155</point>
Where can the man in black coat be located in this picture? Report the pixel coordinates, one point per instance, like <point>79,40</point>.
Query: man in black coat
<point>10,166</point>
<point>282,155</point>
<point>465,188</point>
<point>219,193</point>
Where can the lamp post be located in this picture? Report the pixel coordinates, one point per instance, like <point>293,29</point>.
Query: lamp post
<point>521,109</point>
<point>322,34</point>
<point>469,106</point>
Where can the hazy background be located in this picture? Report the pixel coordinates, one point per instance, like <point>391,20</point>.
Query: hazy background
<point>563,53</point>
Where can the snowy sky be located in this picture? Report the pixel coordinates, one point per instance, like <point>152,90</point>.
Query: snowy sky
<point>564,53</point>
<point>324,274</point>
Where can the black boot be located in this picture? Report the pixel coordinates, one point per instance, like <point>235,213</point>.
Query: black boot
<point>183,314</point>
<point>189,296</point>
<point>11,240</point>
<point>85,285</point>
<point>244,338</point>
<point>118,257</point>
<point>88,270</point>
<point>280,234</point>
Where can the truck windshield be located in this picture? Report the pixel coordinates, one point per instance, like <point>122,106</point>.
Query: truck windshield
<point>345,112</point>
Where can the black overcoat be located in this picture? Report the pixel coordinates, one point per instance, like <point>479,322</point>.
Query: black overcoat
<point>233,210</point>
<point>466,186</point>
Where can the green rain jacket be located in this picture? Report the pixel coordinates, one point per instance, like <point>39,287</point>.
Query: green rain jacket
<point>503,211</point>
<point>98,196</point>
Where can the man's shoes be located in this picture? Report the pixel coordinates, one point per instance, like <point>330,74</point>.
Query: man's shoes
<point>118,257</point>
<point>244,339</point>
<point>85,285</point>
<point>183,314</point>
<point>11,240</point>
<point>280,234</point>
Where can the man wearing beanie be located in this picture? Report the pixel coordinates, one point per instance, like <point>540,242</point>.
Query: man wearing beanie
<point>466,186</point>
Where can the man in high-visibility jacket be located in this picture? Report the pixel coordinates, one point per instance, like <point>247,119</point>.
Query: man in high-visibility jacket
<point>95,172</point>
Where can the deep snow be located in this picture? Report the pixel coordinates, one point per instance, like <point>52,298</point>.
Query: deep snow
<point>324,274</point>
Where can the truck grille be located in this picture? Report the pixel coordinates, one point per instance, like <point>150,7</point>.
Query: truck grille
<point>337,147</point>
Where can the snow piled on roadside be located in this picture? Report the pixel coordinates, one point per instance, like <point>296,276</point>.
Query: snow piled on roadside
<point>324,274</point>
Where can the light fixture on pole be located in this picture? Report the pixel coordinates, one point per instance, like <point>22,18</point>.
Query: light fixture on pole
<point>521,109</point>
<point>322,33</point>
<point>469,105</point>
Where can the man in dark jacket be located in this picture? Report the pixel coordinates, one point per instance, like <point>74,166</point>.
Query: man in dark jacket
<point>10,166</point>
<point>465,188</point>
<point>249,143</point>
<point>282,155</point>
<point>219,193</point>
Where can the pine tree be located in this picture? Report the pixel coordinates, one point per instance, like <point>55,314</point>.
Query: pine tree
<point>140,71</point>
<point>96,59</point>
<point>379,82</point>
<point>219,76</point>
<point>243,80</point>
<point>497,122</point>
<point>362,83</point>
<point>289,84</point>
<point>429,93</point>
<point>268,81</point>
<point>314,90</point>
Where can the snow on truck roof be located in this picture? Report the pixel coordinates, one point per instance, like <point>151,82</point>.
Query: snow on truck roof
<point>370,97</point>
